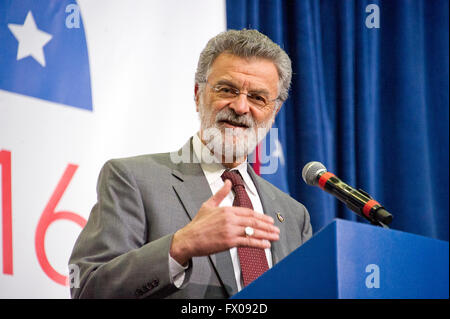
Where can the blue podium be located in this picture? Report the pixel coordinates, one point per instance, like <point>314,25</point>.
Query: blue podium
<point>347,260</point>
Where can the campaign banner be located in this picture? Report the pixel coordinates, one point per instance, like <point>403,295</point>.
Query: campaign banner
<point>82,82</point>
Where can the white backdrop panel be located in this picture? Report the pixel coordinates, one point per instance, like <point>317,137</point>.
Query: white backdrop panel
<point>142,57</point>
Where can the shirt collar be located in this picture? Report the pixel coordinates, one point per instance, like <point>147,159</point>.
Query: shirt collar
<point>213,171</point>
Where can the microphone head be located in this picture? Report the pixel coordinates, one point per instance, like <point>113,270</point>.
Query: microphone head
<point>311,171</point>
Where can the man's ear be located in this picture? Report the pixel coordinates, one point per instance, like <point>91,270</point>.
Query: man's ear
<point>196,96</point>
<point>279,108</point>
<point>276,113</point>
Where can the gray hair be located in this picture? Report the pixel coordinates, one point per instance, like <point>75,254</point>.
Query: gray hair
<point>246,43</point>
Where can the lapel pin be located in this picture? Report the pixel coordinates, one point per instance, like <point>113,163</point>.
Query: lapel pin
<point>280,217</point>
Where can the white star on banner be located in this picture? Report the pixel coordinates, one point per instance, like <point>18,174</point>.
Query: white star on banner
<point>31,39</point>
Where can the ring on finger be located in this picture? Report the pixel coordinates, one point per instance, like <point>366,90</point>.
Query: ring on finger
<point>249,231</point>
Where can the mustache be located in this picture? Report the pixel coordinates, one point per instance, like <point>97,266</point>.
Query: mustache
<point>229,115</point>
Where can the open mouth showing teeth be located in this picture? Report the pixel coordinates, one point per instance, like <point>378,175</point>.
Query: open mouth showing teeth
<point>233,124</point>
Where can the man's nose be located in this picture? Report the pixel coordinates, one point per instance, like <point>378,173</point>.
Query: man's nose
<point>240,104</point>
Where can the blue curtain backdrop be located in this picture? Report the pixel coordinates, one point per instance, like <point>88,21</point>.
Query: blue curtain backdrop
<point>371,104</point>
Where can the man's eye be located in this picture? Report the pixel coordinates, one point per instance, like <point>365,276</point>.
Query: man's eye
<point>258,98</point>
<point>225,89</point>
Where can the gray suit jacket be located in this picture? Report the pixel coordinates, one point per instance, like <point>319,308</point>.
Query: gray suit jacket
<point>123,250</point>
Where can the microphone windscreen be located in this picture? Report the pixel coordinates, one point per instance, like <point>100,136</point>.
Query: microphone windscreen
<point>310,172</point>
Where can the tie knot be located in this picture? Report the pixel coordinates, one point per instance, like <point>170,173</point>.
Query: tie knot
<point>234,177</point>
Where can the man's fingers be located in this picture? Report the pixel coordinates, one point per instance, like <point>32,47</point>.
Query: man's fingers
<point>248,217</point>
<point>246,212</point>
<point>262,234</point>
<point>261,231</point>
<point>218,197</point>
<point>253,242</point>
<point>258,225</point>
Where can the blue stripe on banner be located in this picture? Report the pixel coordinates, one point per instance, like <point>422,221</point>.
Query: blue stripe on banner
<point>44,52</point>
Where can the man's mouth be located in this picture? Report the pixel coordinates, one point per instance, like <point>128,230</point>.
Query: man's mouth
<point>233,124</point>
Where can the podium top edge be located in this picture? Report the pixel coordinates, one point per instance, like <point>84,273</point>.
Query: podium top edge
<point>339,222</point>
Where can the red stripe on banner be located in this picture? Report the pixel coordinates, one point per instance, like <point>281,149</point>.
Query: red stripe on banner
<point>324,178</point>
<point>5,163</point>
<point>371,203</point>
<point>257,164</point>
<point>49,215</point>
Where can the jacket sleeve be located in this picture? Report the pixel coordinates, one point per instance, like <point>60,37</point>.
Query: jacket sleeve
<point>111,253</point>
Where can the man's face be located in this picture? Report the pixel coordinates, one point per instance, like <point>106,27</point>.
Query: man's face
<point>237,124</point>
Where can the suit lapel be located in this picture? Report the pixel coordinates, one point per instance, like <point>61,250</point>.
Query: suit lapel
<point>193,190</point>
<point>271,207</point>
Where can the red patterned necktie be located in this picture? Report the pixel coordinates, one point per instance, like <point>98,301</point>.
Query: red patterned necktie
<point>253,260</point>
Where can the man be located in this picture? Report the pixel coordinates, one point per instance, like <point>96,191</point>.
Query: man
<point>198,223</point>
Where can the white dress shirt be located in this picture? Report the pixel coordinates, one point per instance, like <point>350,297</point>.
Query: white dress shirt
<point>213,173</point>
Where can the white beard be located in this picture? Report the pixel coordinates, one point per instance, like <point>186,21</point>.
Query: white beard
<point>230,144</point>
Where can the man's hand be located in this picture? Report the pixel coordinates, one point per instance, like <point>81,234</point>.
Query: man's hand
<point>215,229</point>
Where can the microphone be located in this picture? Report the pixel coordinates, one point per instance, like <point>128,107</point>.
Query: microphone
<point>315,174</point>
